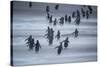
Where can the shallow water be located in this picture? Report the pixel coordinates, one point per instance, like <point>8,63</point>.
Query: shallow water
<point>33,21</point>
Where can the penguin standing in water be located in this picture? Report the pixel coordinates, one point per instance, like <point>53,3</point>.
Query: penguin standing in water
<point>50,19</point>
<point>61,20</point>
<point>29,40</point>
<point>69,19</point>
<point>56,7</point>
<point>47,8</point>
<point>31,44</point>
<point>76,33</point>
<point>87,14</point>
<point>66,18</point>
<point>83,12</point>
<point>58,35</point>
<point>78,18</point>
<point>37,46</point>
<point>30,4</point>
<point>90,9</point>
<point>59,48</point>
<point>51,37</point>
<point>55,22</point>
<point>48,15</point>
<point>66,41</point>
<point>73,14</point>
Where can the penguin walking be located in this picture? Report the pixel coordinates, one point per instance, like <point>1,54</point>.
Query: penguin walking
<point>59,48</point>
